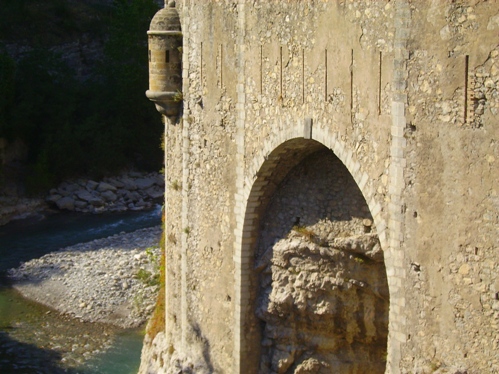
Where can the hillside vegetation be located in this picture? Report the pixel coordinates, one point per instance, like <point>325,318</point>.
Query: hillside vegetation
<point>69,124</point>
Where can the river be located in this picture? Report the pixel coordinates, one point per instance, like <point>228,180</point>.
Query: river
<point>32,336</point>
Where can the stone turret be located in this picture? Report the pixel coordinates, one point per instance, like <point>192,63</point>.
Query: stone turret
<point>165,70</point>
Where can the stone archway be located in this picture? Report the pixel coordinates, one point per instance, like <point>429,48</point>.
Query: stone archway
<point>318,297</point>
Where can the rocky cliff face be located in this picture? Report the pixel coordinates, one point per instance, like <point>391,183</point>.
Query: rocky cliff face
<point>324,305</point>
<point>323,294</point>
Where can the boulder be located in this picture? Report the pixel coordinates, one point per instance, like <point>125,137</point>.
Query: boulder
<point>66,203</point>
<point>52,198</point>
<point>116,183</point>
<point>99,209</point>
<point>129,184</point>
<point>133,190</point>
<point>159,179</point>
<point>135,196</point>
<point>104,187</point>
<point>144,183</point>
<point>122,192</point>
<point>109,196</point>
<point>119,207</point>
<point>84,195</point>
<point>90,198</point>
<point>97,202</point>
<point>91,185</point>
<point>155,192</point>
<point>69,187</point>
<point>80,204</point>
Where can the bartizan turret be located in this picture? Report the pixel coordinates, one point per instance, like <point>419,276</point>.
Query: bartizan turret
<point>165,58</point>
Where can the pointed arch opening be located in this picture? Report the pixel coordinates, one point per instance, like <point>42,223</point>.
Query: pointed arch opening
<point>314,291</point>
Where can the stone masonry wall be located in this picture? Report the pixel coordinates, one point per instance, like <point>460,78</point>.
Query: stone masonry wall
<point>451,214</point>
<point>404,93</point>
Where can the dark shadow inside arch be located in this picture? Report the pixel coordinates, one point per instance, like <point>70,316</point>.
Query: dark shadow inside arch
<point>319,299</point>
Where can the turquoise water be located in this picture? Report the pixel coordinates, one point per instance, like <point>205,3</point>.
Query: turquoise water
<point>24,240</point>
<point>32,336</point>
<point>122,357</point>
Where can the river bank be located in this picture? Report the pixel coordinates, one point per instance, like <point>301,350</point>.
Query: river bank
<point>36,338</point>
<point>128,191</point>
<point>106,280</point>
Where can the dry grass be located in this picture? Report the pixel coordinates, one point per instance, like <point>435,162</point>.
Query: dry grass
<point>157,322</point>
<point>305,232</point>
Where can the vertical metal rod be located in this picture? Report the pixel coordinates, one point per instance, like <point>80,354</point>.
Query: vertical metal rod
<point>303,74</point>
<point>379,85</point>
<point>261,69</point>
<point>325,74</point>
<point>351,86</point>
<point>221,65</point>
<point>466,75</point>
<point>280,59</point>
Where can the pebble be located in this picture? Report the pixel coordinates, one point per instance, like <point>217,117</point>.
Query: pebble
<point>97,281</point>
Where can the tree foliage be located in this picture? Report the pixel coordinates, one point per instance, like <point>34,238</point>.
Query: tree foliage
<point>98,126</point>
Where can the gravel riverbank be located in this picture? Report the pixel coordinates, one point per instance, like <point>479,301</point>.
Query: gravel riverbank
<point>108,280</point>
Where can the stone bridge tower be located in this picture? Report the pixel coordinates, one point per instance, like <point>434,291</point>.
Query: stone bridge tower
<point>331,189</point>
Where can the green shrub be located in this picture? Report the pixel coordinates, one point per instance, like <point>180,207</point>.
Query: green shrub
<point>148,278</point>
